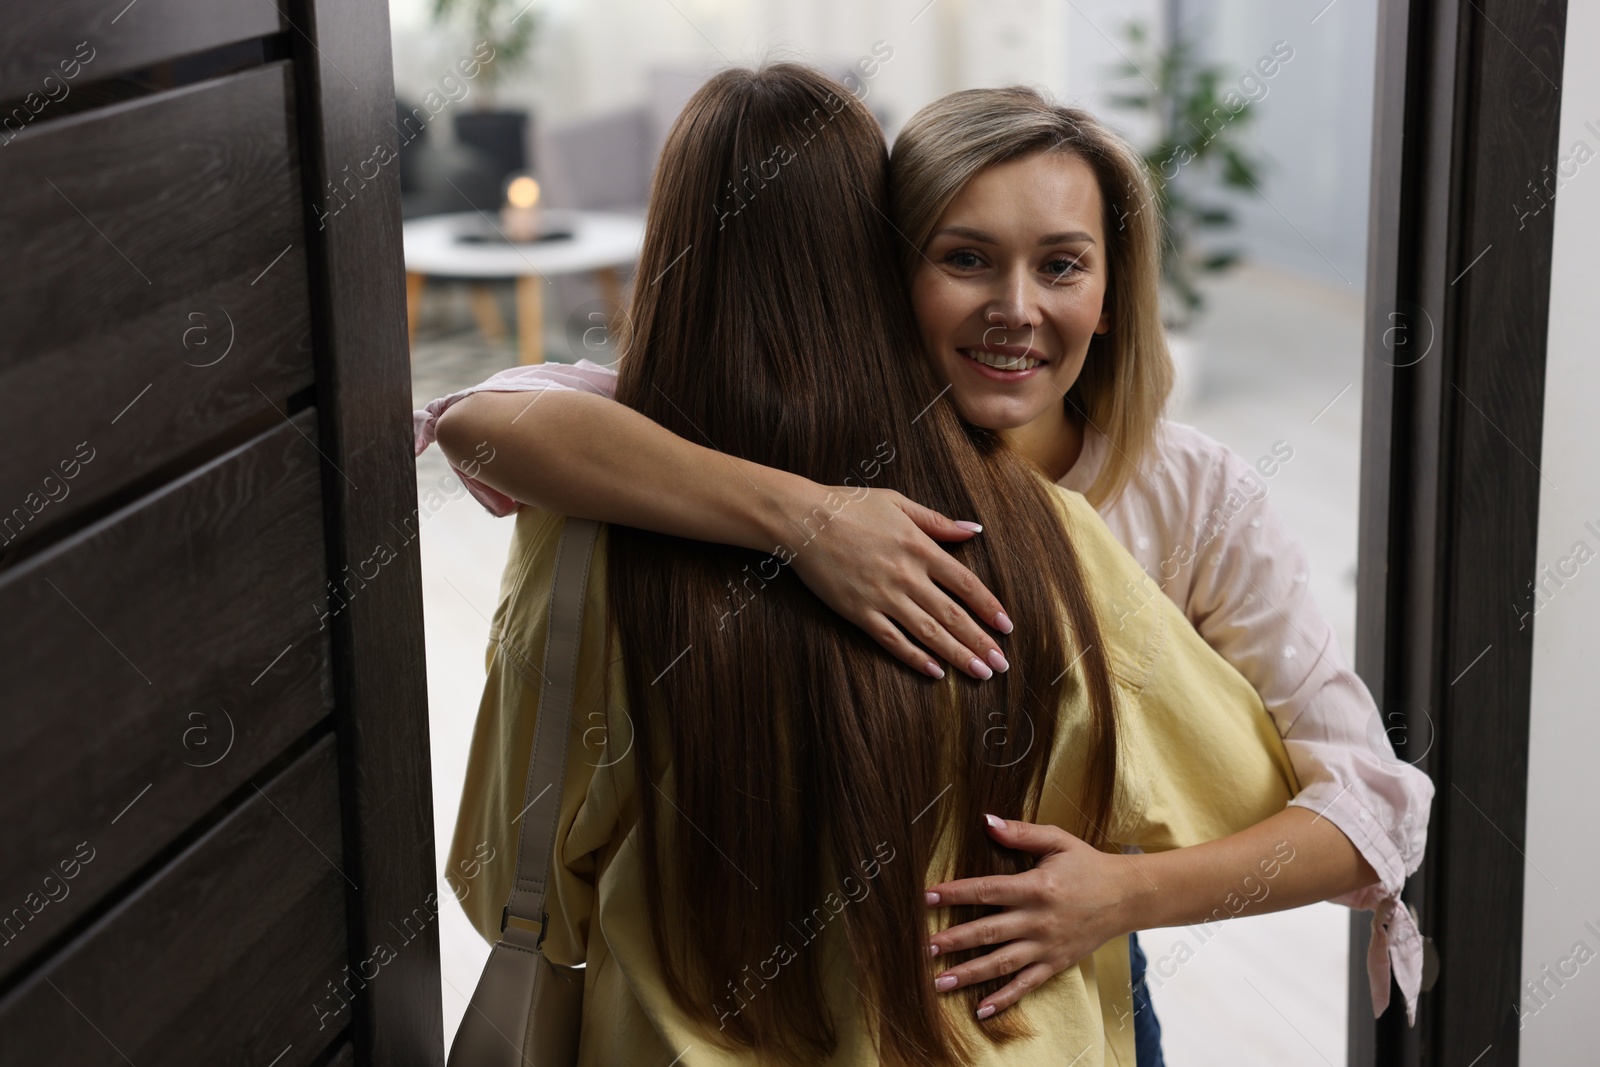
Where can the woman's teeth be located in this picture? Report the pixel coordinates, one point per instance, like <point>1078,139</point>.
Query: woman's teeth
<point>999,362</point>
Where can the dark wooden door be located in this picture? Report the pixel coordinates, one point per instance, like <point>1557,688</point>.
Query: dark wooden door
<point>216,835</point>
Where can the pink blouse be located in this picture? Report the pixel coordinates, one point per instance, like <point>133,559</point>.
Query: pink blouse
<point>1197,520</point>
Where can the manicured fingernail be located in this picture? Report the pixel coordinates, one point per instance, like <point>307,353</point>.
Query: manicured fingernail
<point>1002,622</point>
<point>933,950</point>
<point>979,669</point>
<point>986,1011</point>
<point>933,669</point>
<point>932,898</point>
<point>971,527</point>
<point>995,821</point>
<point>997,660</point>
<point>944,983</point>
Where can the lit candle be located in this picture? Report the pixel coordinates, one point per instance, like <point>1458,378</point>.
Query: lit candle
<point>519,218</point>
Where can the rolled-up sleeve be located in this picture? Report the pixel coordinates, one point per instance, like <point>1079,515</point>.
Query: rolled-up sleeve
<point>583,376</point>
<point>1250,600</point>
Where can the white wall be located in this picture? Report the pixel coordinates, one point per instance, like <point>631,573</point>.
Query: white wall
<point>1314,126</point>
<point>1561,926</point>
<point>596,55</point>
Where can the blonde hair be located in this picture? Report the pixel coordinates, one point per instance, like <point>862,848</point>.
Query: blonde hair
<point>1127,375</point>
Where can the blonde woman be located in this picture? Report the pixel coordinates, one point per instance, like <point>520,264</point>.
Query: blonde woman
<point>1031,256</point>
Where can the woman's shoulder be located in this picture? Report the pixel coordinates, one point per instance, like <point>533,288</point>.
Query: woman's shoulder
<point>1183,457</point>
<point>1183,477</point>
<point>1138,621</point>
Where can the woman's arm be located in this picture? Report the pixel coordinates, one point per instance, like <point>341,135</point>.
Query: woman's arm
<point>534,380</point>
<point>1285,861</point>
<point>1307,858</point>
<point>1077,898</point>
<point>1249,595</point>
<point>870,554</point>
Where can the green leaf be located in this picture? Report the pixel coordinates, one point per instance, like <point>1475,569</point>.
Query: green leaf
<point>1220,260</point>
<point>1238,171</point>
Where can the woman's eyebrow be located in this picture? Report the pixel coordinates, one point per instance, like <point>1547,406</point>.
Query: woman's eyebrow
<point>983,237</point>
<point>970,234</point>
<point>1066,238</point>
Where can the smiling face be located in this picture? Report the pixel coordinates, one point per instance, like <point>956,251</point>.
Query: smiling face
<point>1009,292</point>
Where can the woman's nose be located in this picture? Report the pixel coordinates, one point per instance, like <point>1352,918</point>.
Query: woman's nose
<point>1010,311</point>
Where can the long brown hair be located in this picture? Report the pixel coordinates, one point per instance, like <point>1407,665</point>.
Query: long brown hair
<point>768,322</point>
<point>1128,373</point>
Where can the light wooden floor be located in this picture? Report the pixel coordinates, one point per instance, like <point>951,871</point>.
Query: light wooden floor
<point>1267,991</point>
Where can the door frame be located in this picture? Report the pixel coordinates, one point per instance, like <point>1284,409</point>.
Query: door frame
<point>345,96</point>
<point>1466,118</point>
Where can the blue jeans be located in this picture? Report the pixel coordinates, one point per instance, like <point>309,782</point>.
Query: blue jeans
<point>1146,1027</point>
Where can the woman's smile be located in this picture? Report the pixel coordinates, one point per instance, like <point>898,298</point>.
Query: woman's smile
<point>1004,363</point>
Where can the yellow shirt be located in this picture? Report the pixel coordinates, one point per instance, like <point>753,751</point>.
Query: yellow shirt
<point>1198,759</point>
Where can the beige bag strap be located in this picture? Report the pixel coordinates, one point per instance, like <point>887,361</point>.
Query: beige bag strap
<point>526,1009</point>
<point>547,767</point>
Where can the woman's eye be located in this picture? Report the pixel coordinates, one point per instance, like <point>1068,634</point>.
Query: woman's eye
<point>1061,267</point>
<point>964,260</point>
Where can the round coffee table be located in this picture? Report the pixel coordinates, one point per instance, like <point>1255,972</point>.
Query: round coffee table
<point>470,245</point>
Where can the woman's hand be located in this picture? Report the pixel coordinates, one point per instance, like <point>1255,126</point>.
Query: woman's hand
<point>1077,898</point>
<point>873,556</point>
<point>1069,905</point>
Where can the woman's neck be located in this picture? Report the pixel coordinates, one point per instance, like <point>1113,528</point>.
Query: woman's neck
<point>1053,441</point>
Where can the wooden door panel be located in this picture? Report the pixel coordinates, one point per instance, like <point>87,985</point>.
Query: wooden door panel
<point>185,672</point>
<point>224,956</point>
<point>155,267</point>
<point>169,300</point>
<point>41,37</point>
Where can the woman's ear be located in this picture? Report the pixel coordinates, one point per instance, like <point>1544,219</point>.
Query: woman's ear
<point>1104,325</point>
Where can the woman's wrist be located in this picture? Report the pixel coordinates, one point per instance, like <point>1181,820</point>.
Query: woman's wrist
<point>779,502</point>
<point>1169,888</point>
<point>1138,899</point>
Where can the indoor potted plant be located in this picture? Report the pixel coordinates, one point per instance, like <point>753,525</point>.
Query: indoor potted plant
<point>1198,147</point>
<point>508,27</point>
